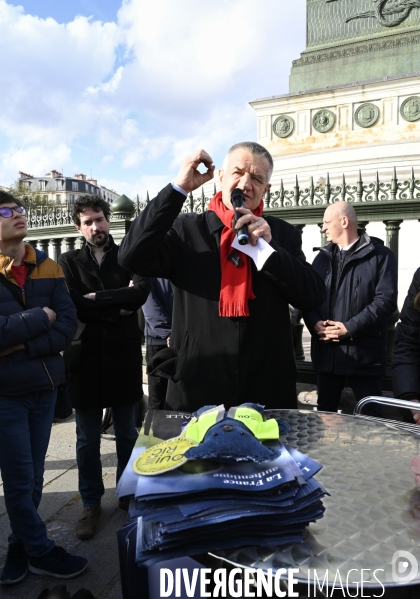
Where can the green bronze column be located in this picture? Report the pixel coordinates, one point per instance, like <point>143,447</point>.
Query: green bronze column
<point>70,243</point>
<point>56,242</point>
<point>392,228</point>
<point>44,243</point>
<point>323,236</point>
<point>392,234</point>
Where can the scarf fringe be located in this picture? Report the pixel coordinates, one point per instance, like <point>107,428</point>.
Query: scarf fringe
<point>233,309</point>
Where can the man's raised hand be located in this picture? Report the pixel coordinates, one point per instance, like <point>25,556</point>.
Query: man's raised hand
<point>189,177</point>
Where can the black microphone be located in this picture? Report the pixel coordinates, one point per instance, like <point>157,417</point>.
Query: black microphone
<point>237,200</point>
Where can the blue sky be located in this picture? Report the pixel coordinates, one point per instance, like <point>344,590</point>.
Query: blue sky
<point>125,89</point>
<point>64,11</point>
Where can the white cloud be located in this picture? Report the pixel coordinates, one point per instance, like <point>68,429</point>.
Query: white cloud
<point>39,158</point>
<point>135,96</point>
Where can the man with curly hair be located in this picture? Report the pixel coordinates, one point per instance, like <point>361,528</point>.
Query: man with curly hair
<point>104,363</point>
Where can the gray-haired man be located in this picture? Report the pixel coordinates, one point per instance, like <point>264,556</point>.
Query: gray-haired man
<point>231,328</point>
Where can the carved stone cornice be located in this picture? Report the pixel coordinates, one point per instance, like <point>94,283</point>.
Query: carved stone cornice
<point>357,49</point>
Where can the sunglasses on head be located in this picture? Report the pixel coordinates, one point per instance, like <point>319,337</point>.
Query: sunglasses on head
<point>7,211</point>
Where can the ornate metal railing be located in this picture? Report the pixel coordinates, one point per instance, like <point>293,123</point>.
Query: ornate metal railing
<point>297,197</point>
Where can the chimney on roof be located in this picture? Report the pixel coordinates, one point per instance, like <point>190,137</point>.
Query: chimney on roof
<point>23,175</point>
<point>92,181</point>
<point>80,176</point>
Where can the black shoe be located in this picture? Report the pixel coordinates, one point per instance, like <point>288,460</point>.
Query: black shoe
<point>58,563</point>
<point>16,565</point>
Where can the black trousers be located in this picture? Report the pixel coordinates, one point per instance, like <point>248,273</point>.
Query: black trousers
<point>157,385</point>
<point>330,387</point>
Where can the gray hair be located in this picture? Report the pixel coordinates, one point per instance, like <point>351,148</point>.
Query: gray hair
<point>254,149</point>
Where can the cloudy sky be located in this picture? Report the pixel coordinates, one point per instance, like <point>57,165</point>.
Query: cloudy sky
<point>124,89</point>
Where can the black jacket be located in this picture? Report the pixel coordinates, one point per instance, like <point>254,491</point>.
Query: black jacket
<point>104,363</point>
<point>406,358</point>
<point>223,360</point>
<point>366,295</point>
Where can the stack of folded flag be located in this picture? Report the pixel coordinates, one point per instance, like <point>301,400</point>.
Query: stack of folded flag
<point>222,479</point>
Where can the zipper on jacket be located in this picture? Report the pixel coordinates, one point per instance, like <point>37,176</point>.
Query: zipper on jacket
<point>48,374</point>
<point>356,291</point>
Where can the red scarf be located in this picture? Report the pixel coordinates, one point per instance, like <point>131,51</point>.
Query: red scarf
<point>236,284</point>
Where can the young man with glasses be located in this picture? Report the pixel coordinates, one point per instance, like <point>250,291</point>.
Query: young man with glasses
<point>37,322</point>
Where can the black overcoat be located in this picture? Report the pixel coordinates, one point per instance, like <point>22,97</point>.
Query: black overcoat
<point>104,362</point>
<point>223,360</point>
<point>366,295</point>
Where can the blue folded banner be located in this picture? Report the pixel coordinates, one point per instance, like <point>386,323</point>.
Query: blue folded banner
<point>215,505</point>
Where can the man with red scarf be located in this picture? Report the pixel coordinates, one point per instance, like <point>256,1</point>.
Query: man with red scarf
<point>231,328</point>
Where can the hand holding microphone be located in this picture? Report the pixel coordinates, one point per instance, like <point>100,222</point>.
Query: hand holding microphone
<point>253,227</point>
<point>237,200</point>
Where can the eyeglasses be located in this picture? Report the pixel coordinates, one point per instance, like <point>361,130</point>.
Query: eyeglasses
<point>7,211</point>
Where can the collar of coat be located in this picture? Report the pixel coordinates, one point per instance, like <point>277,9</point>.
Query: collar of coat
<point>33,257</point>
<point>213,221</point>
<point>84,254</point>
<point>365,246</point>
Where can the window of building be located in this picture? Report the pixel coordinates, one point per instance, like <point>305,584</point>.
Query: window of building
<point>75,186</point>
<point>42,185</point>
<point>58,198</point>
<point>59,184</point>
<point>71,198</point>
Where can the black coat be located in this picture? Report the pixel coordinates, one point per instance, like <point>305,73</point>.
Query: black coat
<point>406,358</point>
<point>366,296</point>
<point>223,360</point>
<point>104,363</point>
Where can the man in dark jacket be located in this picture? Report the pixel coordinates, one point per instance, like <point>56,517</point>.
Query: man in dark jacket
<point>231,324</point>
<point>157,311</point>
<point>349,331</point>
<point>37,322</point>
<point>104,363</point>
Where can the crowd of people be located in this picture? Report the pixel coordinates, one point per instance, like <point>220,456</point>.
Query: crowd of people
<point>217,329</point>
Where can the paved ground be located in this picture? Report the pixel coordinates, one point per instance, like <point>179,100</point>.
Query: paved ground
<point>60,507</point>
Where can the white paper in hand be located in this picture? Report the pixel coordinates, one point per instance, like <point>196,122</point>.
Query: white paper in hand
<point>259,253</point>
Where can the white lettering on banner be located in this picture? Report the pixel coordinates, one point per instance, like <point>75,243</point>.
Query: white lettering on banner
<point>166,590</point>
<point>235,586</point>
<point>190,588</point>
<point>351,586</point>
<point>264,580</point>
<point>254,583</point>
<point>220,578</point>
<point>248,582</point>
<point>278,592</point>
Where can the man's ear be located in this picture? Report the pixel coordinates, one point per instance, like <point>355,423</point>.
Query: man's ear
<point>77,227</point>
<point>220,173</point>
<point>267,188</point>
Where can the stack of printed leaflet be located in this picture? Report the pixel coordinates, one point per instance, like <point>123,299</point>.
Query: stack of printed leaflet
<point>216,479</point>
